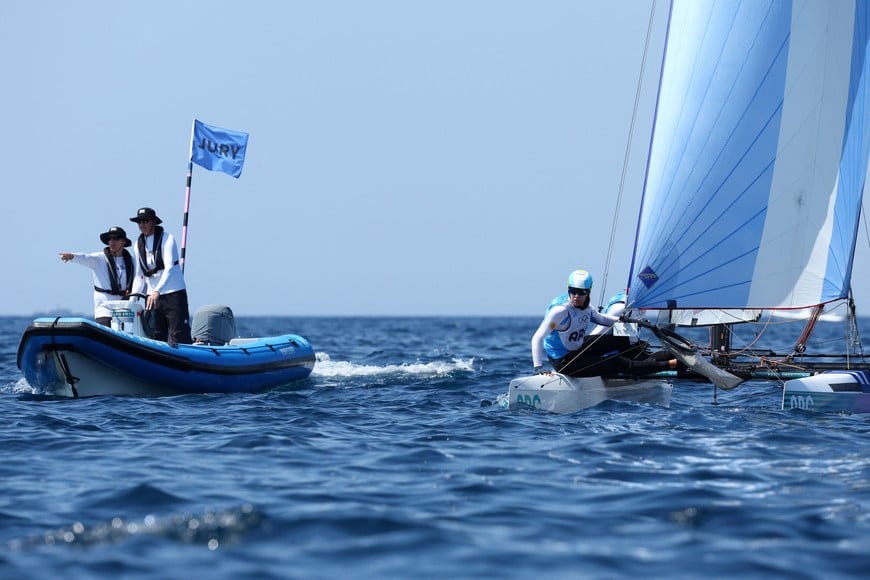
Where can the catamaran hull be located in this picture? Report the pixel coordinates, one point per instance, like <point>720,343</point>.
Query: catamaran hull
<point>76,357</point>
<point>562,394</point>
<point>835,391</point>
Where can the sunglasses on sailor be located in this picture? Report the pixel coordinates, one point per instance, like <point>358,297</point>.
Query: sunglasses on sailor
<point>114,238</point>
<point>578,291</point>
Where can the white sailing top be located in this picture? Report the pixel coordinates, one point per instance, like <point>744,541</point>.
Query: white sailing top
<point>96,261</point>
<point>168,280</point>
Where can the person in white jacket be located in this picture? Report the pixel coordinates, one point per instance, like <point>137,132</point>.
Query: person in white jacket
<point>116,273</point>
<point>157,255</point>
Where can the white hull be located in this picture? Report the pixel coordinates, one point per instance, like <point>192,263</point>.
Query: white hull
<point>96,379</point>
<point>561,394</point>
<point>838,391</point>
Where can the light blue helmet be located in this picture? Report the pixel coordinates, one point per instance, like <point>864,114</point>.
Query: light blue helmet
<point>580,279</point>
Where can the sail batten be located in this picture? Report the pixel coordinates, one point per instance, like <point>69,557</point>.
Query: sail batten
<point>759,156</point>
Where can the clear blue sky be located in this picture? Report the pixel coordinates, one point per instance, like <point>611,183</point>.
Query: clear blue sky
<point>405,158</point>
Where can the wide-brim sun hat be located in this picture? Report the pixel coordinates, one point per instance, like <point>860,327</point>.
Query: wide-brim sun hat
<point>146,213</point>
<point>115,231</point>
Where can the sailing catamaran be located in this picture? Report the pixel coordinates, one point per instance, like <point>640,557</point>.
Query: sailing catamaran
<point>755,179</point>
<point>753,193</point>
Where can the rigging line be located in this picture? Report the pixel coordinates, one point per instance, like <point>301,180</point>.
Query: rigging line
<point>627,152</point>
<point>852,316</point>
<point>853,335</point>
<point>864,221</point>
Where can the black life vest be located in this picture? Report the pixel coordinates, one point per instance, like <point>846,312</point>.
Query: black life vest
<point>113,274</point>
<point>158,256</point>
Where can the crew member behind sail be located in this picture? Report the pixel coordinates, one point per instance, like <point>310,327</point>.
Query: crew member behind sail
<point>562,336</point>
<point>616,307</point>
<point>157,255</point>
<point>115,271</point>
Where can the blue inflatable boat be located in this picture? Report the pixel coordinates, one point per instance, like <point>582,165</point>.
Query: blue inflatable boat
<point>77,357</point>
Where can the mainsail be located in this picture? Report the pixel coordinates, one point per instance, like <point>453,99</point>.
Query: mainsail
<point>758,158</point>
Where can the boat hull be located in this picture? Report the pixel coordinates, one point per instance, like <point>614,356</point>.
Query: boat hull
<point>558,393</point>
<point>80,358</point>
<point>833,391</point>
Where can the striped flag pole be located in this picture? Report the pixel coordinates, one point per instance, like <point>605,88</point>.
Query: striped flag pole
<point>187,199</point>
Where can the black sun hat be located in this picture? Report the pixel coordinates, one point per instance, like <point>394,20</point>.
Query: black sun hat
<point>146,213</point>
<point>116,231</point>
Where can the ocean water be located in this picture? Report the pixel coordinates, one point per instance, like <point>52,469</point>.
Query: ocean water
<point>390,462</point>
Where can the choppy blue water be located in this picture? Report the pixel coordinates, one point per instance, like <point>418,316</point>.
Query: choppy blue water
<point>386,464</point>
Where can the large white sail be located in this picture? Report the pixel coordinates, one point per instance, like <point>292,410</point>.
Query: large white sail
<point>759,156</point>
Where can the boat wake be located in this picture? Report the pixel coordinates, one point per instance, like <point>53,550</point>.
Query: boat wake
<point>326,367</point>
<point>20,387</point>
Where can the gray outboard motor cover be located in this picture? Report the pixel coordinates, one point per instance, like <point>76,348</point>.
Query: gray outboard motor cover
<point>213,324</point>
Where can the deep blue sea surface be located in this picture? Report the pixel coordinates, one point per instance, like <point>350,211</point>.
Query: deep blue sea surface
<point>389,463</point>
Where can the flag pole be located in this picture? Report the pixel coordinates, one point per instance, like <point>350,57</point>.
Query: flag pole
<point>187,198</point>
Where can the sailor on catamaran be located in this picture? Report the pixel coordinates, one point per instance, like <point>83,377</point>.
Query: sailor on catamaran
<point>562,336</point>
<point>616,306</point>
